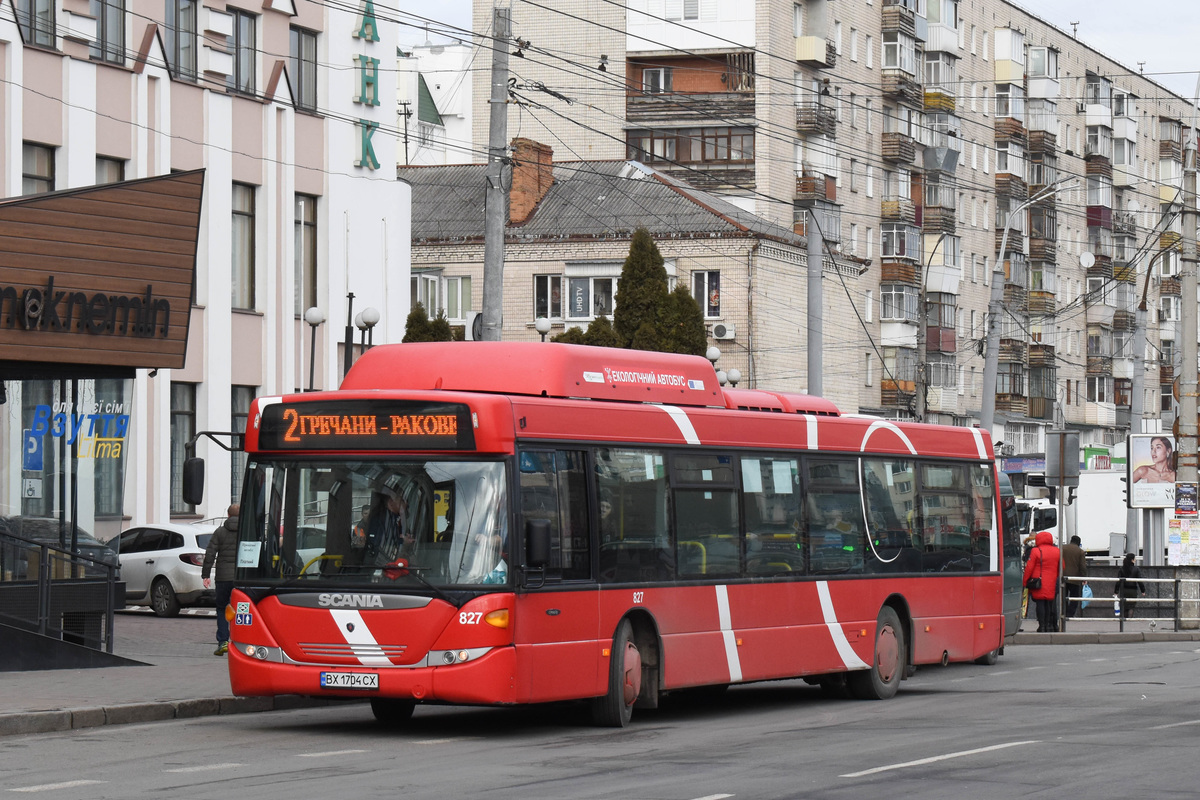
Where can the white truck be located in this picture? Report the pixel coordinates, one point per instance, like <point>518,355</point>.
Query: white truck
<point>1097,512</point>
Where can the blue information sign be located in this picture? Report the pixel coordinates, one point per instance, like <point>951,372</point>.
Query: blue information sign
<point>32,454</point>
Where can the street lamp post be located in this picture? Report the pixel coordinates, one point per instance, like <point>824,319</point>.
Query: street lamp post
<point>991,364</point>
<point>543,326</point>
<point>314,317</point>
<point>370,318</point>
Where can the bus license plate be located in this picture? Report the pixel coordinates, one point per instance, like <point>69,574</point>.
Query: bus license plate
<point>349,680</point>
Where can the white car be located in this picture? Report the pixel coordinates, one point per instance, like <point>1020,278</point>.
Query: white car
<point>160,565</point>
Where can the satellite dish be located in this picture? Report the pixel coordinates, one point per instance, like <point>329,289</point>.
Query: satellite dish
<point>1134,206</point>
<point>1086,260</point>
<point>477,327</point>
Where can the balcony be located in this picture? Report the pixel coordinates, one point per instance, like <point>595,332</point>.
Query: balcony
<point>1042,142</point>
<point>1124,271</point>
<point>1170,286</point>
<point>898,148</point>
<point>1123,320</point>
<point>936,219</point>
<point>1099,365</point>
<point>940,340</point>
<point>695,108</point>
<point>1169,239</point>
<point>897,394</point>
<point>1169,148</point>
<point>1041,355</point>
<point>1103,268</point>
<point>1016,240</point>
<point>1011,185</point>
<point>1098,313</point>
<point>816,118</point>
<point>1124,223</point>
<point>897,18</point>
<point>816,52</point>
<point>1009,129</point>
<point>812,186</point>
<point>1097,165</point>
<point>942,399</point>
<point>899,85</point>
<point>1015,404</point>
<point>1042,249</point>
<point>1042,304</point>
<point>1166,373</point>
<point>894,271</point>
<point>938,98</point>
<point>1041,408</point>
<point>898,209</point>
<point>1013,351</point>
<point>1100,413</point>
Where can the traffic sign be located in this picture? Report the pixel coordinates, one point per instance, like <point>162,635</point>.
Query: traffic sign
<point>33,453</point>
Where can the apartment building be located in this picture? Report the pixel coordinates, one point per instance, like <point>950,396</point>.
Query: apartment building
<point>941,145</point>
<point>278,109</point>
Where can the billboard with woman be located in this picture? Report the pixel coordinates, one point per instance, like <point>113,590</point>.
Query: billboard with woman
<point>1152,471</point>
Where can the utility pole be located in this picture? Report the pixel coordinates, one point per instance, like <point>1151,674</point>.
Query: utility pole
<point>406,113</point>
<point>1186,467</point>
<point>495,207</point>
<point>922,332</point>
<point>816,305</point>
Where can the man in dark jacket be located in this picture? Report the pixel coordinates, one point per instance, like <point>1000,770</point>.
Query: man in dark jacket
<point>1129,584</point>
<point>1074,570</point>
<point>222,549</point>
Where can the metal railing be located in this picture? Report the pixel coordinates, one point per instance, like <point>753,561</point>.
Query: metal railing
<point>58,593</point>
<point>1162,595</point>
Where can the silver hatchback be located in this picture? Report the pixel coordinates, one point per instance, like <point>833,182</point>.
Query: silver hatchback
<point>160,565</point>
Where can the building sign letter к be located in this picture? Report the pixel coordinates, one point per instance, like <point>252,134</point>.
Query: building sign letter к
<point>368,87</point>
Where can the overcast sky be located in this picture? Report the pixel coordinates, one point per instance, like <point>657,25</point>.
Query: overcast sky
<point>1164,34</point>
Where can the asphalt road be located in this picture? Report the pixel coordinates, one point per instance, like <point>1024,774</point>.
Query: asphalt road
<point>1091,721</point>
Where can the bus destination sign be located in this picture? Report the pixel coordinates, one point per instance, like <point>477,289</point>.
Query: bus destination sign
<point>366,425</point>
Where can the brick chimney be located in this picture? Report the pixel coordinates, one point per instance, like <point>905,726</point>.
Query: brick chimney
<point>532,177</point>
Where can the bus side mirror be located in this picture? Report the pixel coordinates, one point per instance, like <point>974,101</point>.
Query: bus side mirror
<point>537,542</point>
<point>193,481</point>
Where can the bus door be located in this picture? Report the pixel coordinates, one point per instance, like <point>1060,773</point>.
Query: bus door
<point>557,624</point>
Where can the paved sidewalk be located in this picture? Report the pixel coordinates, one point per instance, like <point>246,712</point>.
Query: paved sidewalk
<point>181,678</point>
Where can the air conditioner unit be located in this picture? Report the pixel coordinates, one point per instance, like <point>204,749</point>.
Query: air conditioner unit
<point>723,330</point>
<point>474,327</point>
<point>1008,449</point>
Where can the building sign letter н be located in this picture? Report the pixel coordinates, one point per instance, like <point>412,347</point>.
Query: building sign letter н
<point>368,85</point>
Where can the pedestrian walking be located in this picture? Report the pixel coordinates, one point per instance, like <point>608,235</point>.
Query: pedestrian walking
<point>1074,571</point>
<point>1129,585</point>
<point>1041,578</point>
<point>222,551</point>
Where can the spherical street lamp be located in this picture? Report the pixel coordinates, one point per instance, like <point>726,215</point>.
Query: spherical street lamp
<point>712,354</point>
<point>543,326</point>
<point>733,376</point>
<point>314,317</point>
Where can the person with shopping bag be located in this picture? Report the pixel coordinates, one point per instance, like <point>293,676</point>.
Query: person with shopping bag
<point>1074,564</point>
<point>1041,578</point>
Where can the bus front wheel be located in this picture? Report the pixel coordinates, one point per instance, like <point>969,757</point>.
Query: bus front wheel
<point>882,680</point>
<point>392,711</point>
<point>614,709</point>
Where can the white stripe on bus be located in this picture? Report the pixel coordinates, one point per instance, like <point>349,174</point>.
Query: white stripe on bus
<point>849,657</point>
<point>811,419</point>
<point>356,633</point>
<point>685,424</point>
<point>882,424</point>
<point>979,442</point>
<point>731,653</point>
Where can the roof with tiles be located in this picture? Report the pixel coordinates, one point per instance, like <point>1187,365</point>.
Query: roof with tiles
<point>587,200</point>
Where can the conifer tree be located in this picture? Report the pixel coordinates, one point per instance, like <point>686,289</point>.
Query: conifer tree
<point>642,297</point>
<point>601,334</point>
<point>684,324</point>
<point>570,336</point>
<point>439,328</point>
<point>416,327</point>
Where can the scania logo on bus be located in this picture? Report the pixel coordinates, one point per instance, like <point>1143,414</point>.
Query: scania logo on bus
<point>332,600</point>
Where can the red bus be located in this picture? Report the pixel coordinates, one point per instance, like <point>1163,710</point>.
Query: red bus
<point>503,523</point>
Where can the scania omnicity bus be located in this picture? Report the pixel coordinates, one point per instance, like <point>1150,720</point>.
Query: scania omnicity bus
<point>504,523</point>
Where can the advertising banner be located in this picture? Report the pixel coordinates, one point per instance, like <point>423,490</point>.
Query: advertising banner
<point>1151,468</point>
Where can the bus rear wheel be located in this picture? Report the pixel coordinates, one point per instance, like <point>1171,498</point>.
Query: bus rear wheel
<point>614,709</point>
<point>392,711</point>
<point>882,680</point>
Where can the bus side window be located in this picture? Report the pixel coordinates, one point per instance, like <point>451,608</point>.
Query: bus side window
<point>554,489</point>
<point>836,538</point>
<point>775,543</point>
<point>894,515</point>
<point>639,545</point>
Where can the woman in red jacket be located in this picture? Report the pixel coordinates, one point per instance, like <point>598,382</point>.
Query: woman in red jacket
<point>1043,563</point>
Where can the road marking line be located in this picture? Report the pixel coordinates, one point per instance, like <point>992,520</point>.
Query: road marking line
<point>447,740</point>
<point>933,759</point>
<point>713,797</point>
<point>47,787</point>
<point>1175,725</point>
<point>204,767</point>
<point>329,753</point>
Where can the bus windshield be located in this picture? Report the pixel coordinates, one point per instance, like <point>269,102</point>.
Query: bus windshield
<point>402,523</point>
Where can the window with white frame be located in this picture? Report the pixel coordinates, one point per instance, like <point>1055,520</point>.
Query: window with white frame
<point>1099,141</point>
<point>656,80</point>
<point>1010,158</point>
<point>424,289</point>
<point>943,371</point>
<point>682,9</point>
<point>898,302</point>
<point>706,289</point>
<point>589,297</point>
<point>941,72</point>
<point>1168,309</point>
<point>1099,190</point>
<point>899,52</point>
<point>1099,389</point>
<point>899,240</point>
<point>1010,101</point>
<point>1043,62</point>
